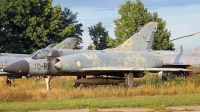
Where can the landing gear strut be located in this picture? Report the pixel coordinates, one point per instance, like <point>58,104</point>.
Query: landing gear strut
<point>77,84</point>
<point>129,79</point>
<point>162,76</point>
<point>47,80</point>
<point>8,82</point>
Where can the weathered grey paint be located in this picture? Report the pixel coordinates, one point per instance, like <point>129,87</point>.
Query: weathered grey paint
<point>74,63</point>
<point>9,58</point>
<point>106,60</point>
<point>174,59</point>
<point>190,61</point>
<point>67,43</point>
<point>133,57</point>
<point>141,41</point>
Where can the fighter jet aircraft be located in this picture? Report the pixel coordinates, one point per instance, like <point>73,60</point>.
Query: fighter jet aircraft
<point>181,59</point>
<point>119,65</point>
<point>9,58</point>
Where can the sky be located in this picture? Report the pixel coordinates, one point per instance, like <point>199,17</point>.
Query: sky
<point>182,17</point>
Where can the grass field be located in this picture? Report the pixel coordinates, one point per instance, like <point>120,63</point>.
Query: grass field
<point>26,94</point>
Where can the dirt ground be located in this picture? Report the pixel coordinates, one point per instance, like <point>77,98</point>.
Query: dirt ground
<point>171,108</point>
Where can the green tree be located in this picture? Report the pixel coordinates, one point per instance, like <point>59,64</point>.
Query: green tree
<point>70,18</point>
<point>112,42</point>
<point>134,16</point>
<point>91,47</point>
<point>162,35</point>
<point>99,36</point>
<point>28,25</point>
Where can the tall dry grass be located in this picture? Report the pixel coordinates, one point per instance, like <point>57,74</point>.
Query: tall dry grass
<point>62,88</point>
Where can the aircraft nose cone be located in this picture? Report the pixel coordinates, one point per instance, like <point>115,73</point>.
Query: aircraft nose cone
<point>20,67</point>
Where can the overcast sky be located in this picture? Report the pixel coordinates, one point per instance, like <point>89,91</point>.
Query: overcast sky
<point>182,17</point>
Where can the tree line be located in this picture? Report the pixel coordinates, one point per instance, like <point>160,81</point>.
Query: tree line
<point>134,16</point>
<point>29,25</point>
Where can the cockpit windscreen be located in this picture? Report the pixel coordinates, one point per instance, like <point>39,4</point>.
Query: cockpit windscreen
<point>44,53</point>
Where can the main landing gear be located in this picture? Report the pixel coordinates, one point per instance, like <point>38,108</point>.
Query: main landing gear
<point>76,84</point>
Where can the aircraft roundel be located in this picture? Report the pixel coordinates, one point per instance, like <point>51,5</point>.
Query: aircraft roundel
<point>78,63</point>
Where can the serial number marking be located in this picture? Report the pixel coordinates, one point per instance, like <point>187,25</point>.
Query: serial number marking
<point>38,66</point>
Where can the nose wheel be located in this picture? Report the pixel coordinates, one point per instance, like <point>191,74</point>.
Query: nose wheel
<point>47,80</point>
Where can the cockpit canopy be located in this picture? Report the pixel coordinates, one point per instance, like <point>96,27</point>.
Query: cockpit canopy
<point>45,53</point>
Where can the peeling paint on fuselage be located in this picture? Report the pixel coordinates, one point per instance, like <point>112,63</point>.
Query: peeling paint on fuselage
<point>94,58</point>
<point>113,59</point>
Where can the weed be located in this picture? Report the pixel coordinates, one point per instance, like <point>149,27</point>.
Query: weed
<point>62,88</point>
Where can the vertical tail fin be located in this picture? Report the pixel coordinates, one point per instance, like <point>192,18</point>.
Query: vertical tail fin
<point>141,41</point>
<point>68,43</point>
